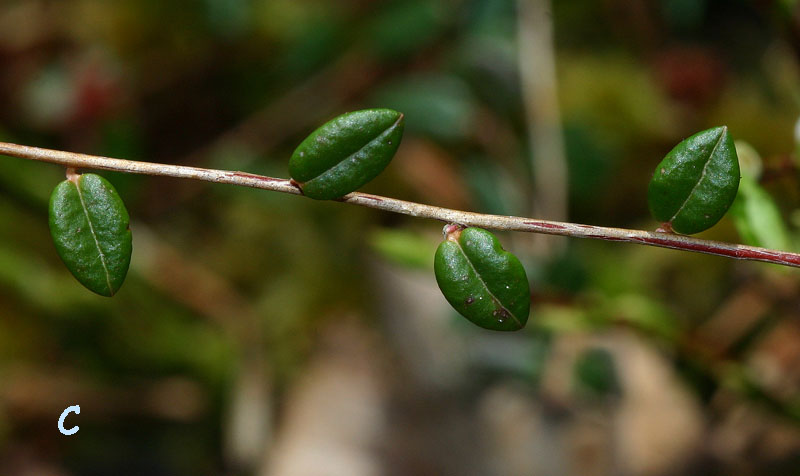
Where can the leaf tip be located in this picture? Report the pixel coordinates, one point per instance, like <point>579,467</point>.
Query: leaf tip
<point>721,132</point>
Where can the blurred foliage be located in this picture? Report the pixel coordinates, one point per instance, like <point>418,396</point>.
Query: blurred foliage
<point>439,107</point>
<point>224,277</point>
<point>595,374</point>
<point>403,247</point>
<point>758,219</point>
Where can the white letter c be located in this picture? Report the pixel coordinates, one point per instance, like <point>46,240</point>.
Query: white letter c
<point>77,410</point>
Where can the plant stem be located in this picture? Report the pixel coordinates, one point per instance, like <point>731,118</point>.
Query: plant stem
<point>495,222</point>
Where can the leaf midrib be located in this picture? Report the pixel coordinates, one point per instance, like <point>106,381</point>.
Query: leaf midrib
<point>702,176</point>
<point>344,159</point>
<point>491,294</point>
<point>94,236</point>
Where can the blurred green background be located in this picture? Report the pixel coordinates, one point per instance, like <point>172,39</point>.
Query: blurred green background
<point>259,333</point>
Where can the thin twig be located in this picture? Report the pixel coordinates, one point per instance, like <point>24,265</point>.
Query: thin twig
<point>495,222</point>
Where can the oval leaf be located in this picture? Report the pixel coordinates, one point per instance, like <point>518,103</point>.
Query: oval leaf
<point>346,152</point>
<point>89,225</point>
<point>485,284</point>
<point>696,183</point>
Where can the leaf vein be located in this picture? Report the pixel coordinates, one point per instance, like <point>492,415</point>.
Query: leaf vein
<point>94,236</point>
<point>702,176</point>
<point>377,138</point>
<point>491,294</point>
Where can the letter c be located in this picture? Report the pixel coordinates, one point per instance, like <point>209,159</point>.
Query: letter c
<point>77,410</point>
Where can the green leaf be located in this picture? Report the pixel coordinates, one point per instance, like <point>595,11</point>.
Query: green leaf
<point>757,218</point>
<point>346,152</point>
<point>482,282</point>
<point>696,183</point>
<point>89,225</point>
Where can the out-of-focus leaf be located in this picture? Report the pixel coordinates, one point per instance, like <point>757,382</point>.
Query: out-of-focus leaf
<point>750,163</point>
<point>435,105</point>
<point>684,14</point>
<point>595,374</point>
<point>540,353</point>
<point>525,358</point>
<point>402,247</point>
<point>491,18</point>
<point>405,27</point>
<point>615,95</point>
<point>32,181</point>
<point>563,319</point>
<point>797,141</point>
<point>566,272</point>
<point>289,20</point>
<point>789,6</point>
<point>229,18</point>
<point>493,186</point>
<point>320,42</point>
<point>37,284</point>
<point>489,65</point>
<point>641,312</point>
<point>757,218</point>
<point>49,98</point>
<point>590,161</point>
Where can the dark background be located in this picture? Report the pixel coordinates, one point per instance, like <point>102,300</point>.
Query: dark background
<point>260,333</point>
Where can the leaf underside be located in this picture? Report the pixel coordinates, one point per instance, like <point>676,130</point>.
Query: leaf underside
<point>89,226</point>
<point>484,283</point>
<point>696,183</point>
<point>346,152</point>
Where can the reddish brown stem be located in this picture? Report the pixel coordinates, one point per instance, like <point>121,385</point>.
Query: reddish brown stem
<point>496,222</point>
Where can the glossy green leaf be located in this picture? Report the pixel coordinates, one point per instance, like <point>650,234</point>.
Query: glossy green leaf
<point>346,152</point>
<point>696,183</point>
<point>484,283</point>
<point>89,225</point>
<point>757,218</point>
